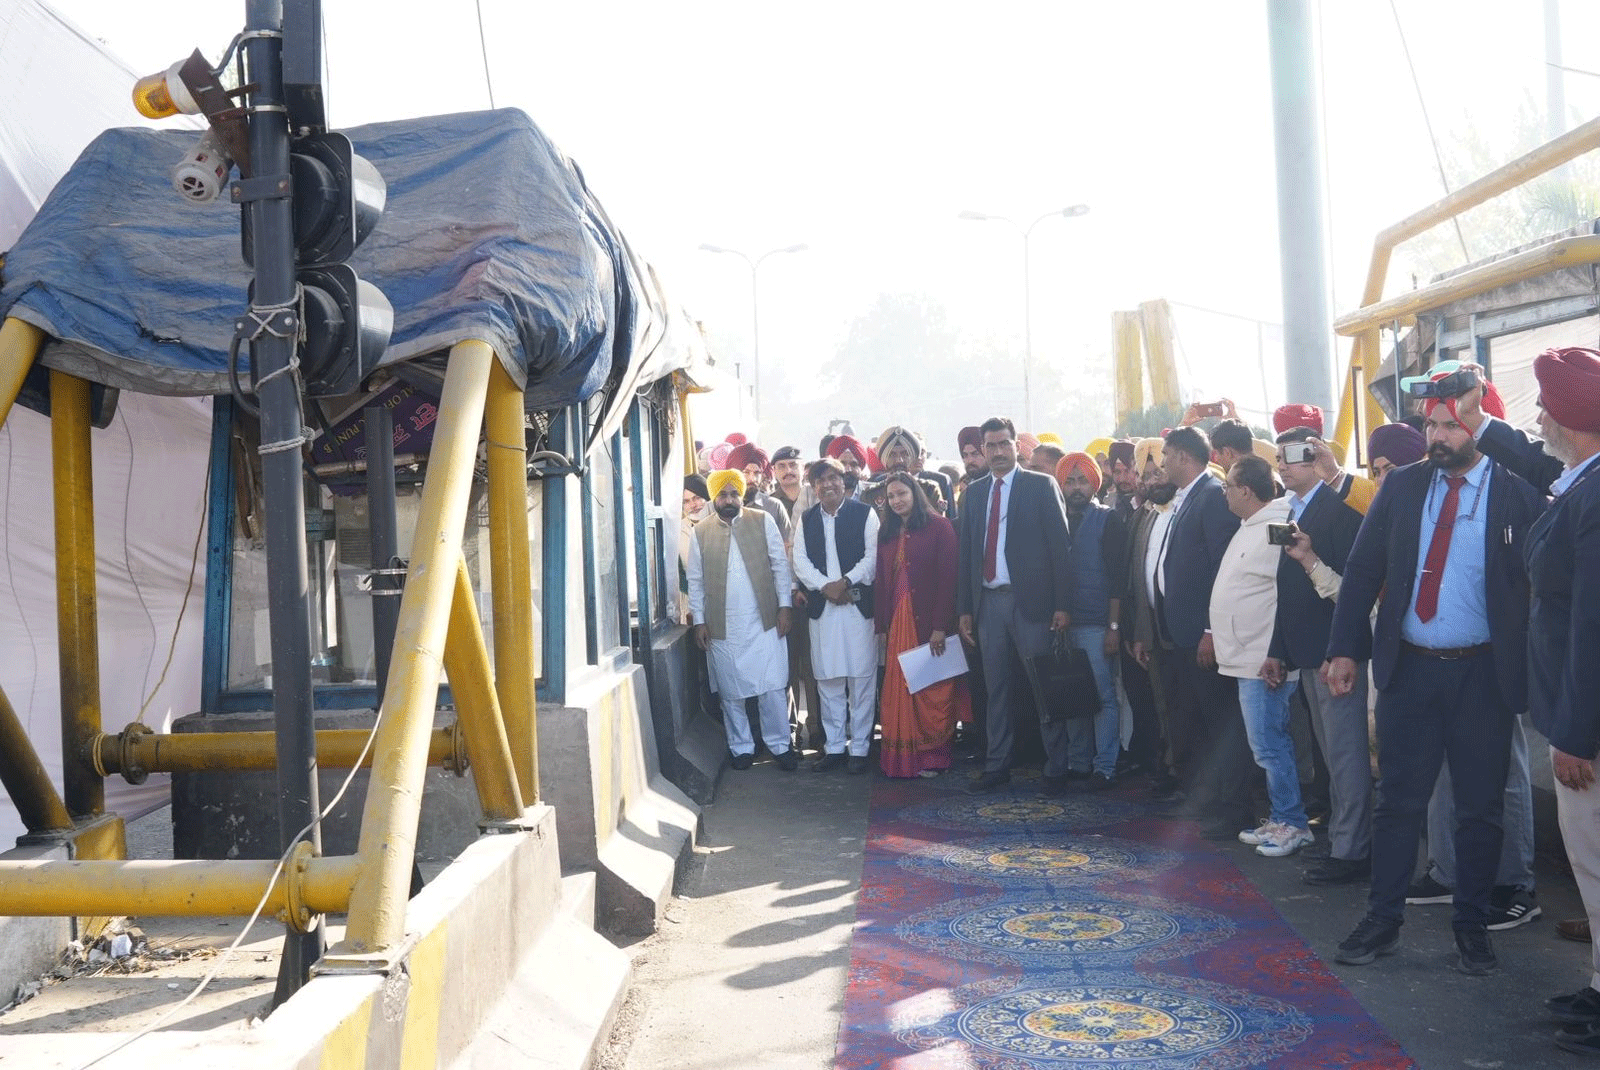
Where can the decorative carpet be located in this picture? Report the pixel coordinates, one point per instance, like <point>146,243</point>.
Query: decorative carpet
<point>1010,931</point>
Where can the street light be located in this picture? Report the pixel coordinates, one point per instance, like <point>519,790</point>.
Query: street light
<point>755,310</point>
<point>1027,290</point>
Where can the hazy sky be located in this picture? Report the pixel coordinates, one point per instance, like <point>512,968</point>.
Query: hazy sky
<point>864,128</point>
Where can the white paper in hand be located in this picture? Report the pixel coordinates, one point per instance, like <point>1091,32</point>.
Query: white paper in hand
<point>922,667</point>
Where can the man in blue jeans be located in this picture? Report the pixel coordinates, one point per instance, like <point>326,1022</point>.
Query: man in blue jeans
<point>1098,554</point>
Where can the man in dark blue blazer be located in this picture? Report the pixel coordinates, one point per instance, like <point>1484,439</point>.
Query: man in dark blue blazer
<point>1327,526</point>
<point>1012,590</point>
<point>1563,561</point>
<point>1208,738</point>
<point>1443,542</point>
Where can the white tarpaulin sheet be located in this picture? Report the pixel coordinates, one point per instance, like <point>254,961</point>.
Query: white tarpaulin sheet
<point>62,90</point>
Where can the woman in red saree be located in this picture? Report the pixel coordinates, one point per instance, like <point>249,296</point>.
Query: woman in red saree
<point>916,604</point>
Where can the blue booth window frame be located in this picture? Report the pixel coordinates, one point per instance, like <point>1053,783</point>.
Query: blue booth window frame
<point>215,695</point>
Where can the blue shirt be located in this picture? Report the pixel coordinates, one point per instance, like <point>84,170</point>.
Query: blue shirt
<point>1463,615</point>
<point>1297,504</point>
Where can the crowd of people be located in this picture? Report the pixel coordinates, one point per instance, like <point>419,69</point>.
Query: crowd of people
<point>1236,598</point>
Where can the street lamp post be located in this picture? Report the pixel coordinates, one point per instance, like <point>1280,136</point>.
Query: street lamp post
<point>1027,291</point>
<point>755,310</point>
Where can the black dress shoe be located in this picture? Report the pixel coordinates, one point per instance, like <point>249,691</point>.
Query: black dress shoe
<point>788,761</point>
<point>857,764</point>
<point>742,761</point>
<point>1580,1008</point>
<point>828,763</point>
<point>988,782</point>
<point>1475,954</point>
<point>1332,870</point>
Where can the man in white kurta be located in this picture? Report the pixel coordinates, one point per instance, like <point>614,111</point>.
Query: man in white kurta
<point>748,655</point>
<point>836,561</point>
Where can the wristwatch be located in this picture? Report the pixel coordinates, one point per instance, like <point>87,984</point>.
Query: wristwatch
<point>1114,626</point>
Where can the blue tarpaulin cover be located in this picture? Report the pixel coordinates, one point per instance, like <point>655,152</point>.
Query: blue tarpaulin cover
<point>489,233</point>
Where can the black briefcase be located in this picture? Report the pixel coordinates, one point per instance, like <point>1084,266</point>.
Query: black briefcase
<point>1063,682</point>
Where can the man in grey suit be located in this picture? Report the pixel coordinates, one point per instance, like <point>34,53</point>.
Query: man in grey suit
<point>1012,590</point>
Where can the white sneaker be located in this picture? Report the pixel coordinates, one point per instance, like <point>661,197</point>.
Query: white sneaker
<point>1285,840</point>
<point>1260,833</point>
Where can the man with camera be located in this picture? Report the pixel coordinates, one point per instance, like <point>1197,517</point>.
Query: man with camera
<point>1444,542</point>
<point>835,562</point>
<point>1309,573</point>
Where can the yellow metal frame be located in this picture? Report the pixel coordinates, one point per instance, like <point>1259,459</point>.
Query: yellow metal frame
<point>438,628</point>
<point>1363,325</point>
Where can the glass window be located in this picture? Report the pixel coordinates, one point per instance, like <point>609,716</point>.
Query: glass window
<point>600,490</point>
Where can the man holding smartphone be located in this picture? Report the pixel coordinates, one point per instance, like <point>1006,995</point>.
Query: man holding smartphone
<point>1326,522</point>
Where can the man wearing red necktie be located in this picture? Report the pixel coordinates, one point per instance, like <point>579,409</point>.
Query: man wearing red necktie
<point>1012,590</point>
<point>1443,541</point>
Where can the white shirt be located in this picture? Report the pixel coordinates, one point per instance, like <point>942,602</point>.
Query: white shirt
<point>1002,571</point>
<point>843,642</point>
<point>1154,549</point>
<point>1161,554</point>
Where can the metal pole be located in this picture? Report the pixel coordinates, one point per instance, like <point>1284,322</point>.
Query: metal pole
<point>25,778</point>
<point>511,576</point>
<point>77,603</point>
<point>385,529</point>
<point>1027,327</point>
<point>20,343</point>
<point>1307,335</point>
<point>204,752</point>
<point>288,589</point>
<point>755,339</point>
<point>1555,86</point>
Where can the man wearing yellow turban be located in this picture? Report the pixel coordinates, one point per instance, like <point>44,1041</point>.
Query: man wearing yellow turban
<point>740,584</point>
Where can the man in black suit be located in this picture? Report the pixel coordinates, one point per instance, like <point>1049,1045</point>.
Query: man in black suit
<point>1444,542</point>
<point>1563,560</point>
<point>1012,590</point>
<point>1308,584</point>
<point>1208,738</point>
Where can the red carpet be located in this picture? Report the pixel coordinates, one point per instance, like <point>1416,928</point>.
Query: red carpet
<point>1009,931</point>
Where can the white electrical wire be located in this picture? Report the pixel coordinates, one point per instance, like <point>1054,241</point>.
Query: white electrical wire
<point>222,960</point>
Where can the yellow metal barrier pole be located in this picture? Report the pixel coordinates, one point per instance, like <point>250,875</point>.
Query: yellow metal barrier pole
<point>387,846</point>
<point>76,604</point>
<point>226,888</point>
<point>25,778</point>
<point>201,752</point>
<point>19,347</point>
<point>511,574</point>
<point>466,659</point>
<point>1552,154</point>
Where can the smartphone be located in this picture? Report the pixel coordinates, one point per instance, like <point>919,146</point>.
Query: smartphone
<point>1298,452</point>
<point>1213,408</point>
<point>1449,386</point>
<point>1281,534</point>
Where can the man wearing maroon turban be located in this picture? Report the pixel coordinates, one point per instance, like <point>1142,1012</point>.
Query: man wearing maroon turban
<point>1445,541</point>
<point>854,456</point>
<point>1563,560</point>
<point>750,461</point>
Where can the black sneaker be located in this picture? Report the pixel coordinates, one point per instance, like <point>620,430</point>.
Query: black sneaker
<point>1372,936</point>
<point>1096,782</point>
<point>1580,1008</point>
<point>742,761</point>
<point>1425,891</point>
<point>857,764</point>
<point>827,763</point>
<point>1579,1039</point>
<point>1518,908</point>
<point>788,761</point>
<point>1476,952</point>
